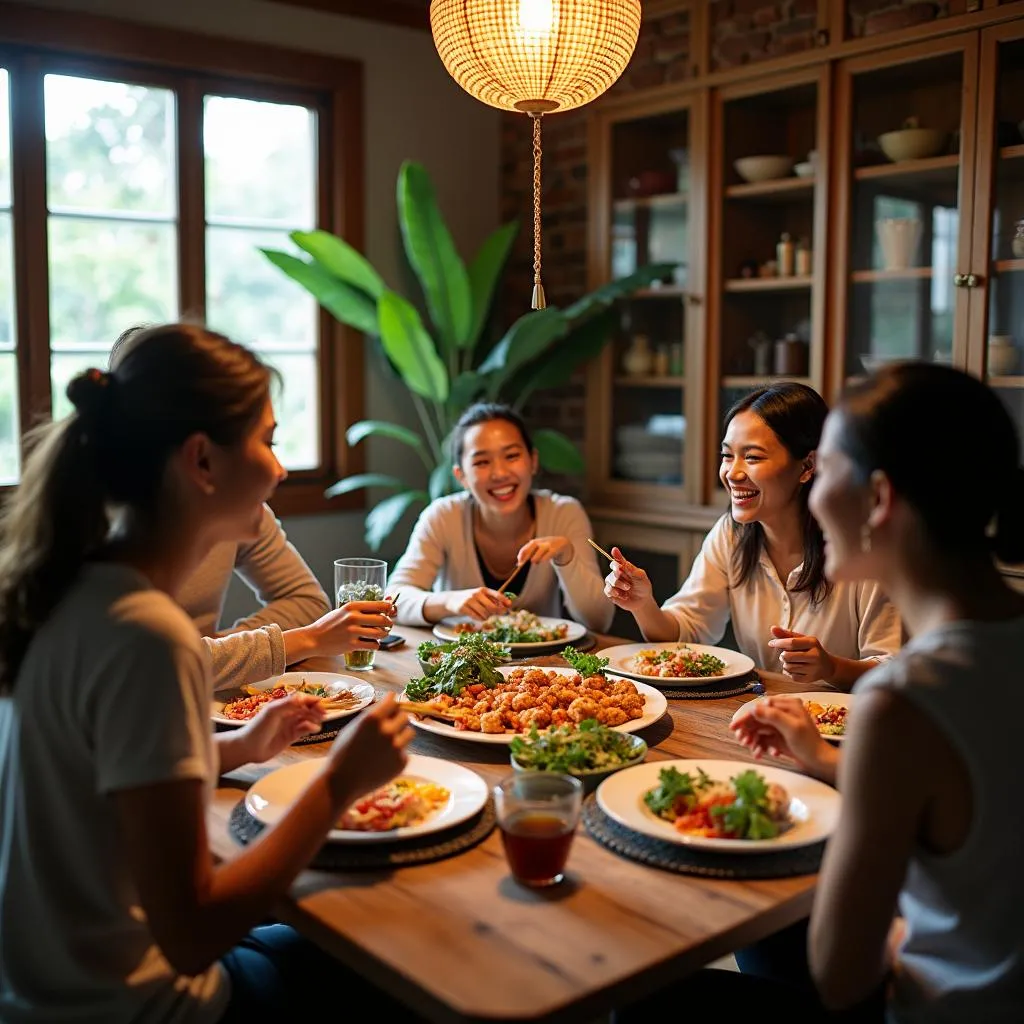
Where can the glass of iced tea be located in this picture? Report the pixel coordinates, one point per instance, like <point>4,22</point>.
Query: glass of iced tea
<point>359,579</point>
<point>537,814</point>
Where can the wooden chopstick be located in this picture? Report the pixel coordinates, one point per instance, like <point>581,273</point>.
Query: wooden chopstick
<point>417,708</point>
<point>597,547</point>
<point>515,573</point>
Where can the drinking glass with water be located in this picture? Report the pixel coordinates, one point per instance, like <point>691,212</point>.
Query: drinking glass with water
<point>359,579</point>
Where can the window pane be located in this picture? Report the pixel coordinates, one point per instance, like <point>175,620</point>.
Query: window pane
<point>106,276</point>
<point>248,298</point>
<point>10,432</point>
<point>6,283</point>
<point>260,184</point>
<point>5,139</point>
<point>297,410</point>
<point>260,162</point>
<point>109,147</point>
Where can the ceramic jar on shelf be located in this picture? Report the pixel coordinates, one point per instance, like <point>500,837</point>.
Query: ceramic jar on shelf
<point>1017,242</point>
<point>638,359</point>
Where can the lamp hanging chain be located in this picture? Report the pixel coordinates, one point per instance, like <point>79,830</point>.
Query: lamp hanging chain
<point>539,301</point>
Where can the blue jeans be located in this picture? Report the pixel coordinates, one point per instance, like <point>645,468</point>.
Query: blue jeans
<point>276,974</point>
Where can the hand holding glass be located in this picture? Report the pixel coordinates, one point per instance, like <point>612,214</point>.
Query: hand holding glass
<point>537,815</point>
<point>359,579</point>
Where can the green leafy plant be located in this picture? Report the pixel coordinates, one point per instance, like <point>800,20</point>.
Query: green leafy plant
<point>452,362</point>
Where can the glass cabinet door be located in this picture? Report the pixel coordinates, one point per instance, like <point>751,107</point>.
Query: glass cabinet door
<point>907,241</point>
<point>770,186</point>
<point>647,204</point>
<point>1002,113</point>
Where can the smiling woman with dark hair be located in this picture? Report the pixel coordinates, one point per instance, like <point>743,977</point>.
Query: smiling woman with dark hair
<point>762,564</point>
<point>466,545</point>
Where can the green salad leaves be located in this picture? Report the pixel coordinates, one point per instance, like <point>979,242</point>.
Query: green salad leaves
<point>747,816</point>
<point>586,664</point>
<point>470,659</point>
<point>575,748</point>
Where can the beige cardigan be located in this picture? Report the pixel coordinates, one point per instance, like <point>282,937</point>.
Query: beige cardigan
<point>253,648</point>
<point>441,556</point>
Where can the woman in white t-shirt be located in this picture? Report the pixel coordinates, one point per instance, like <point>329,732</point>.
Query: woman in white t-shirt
<point>762,564</point>
<point>466,545</point>
<point>111,905</point>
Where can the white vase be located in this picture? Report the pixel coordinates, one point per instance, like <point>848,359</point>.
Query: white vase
<point>899,238</point>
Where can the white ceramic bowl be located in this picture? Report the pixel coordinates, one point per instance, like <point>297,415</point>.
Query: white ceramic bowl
<point>804,170</point>
<point>763,168</point>
<point>912,143</point>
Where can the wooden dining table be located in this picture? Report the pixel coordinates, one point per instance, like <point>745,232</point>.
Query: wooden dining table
<point>458,940</point>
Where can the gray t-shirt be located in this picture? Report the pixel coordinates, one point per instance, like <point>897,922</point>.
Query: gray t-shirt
<point>113,694</point>
<point>963,955</point>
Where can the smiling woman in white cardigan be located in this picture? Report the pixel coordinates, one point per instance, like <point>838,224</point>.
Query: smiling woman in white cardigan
<point>466,545</point>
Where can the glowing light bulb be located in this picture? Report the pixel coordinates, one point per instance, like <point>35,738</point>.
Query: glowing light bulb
<point>536,17</point>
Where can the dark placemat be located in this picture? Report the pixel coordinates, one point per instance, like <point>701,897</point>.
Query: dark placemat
<point>711,691</point>
<point>685,860</point>
<point>348,856</point>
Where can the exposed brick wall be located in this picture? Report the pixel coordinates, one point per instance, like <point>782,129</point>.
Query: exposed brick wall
<point>746,31</point>
<point>875,17</point>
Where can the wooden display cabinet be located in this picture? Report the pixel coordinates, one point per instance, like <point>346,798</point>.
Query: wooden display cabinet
<point>953,292</point>
<point>903,226</point>
<point>756,300</point>
<point>647,194</point>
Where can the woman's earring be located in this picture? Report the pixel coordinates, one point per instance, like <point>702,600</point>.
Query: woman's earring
<point>865,538</point>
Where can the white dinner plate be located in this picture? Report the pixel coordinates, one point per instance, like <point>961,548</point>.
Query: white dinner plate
<point>655,705</point>
<point>445,630</point>
<point>270,798</point>
<point>620,660</point>
<point>334,681</point>
<point>844,700</point>
<point>814,807</point>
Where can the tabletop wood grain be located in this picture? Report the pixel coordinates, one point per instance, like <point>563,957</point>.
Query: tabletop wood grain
<point>459,940</point>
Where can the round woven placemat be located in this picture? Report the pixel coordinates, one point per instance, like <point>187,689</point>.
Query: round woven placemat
<point>347,856</point>
<point>711,691</point>
<point>685,860</point>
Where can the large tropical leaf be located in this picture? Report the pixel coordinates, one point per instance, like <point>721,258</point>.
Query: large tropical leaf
<point>483,275</point>
<point>432,254</point>
<point>358,481</point>
<point>464,389</point>
<point>557,453</point>
<point>410,348</point>
<point>441,481</point>
<point>345,303</point>
<point>562,360</point>
<point>605,295</point>
<point>337,257</point>
<point>382,519</point>
<point>530,336</point>
<point>381,428</point>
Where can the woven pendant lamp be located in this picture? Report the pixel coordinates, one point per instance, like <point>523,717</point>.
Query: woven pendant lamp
<point>535,57</point>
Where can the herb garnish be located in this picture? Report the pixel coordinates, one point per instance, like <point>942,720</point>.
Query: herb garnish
<point>575,748</point>
<point>470,659</point>
<point>586,664</point>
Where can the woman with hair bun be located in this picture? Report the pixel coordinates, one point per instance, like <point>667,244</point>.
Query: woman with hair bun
<point>111,905</point>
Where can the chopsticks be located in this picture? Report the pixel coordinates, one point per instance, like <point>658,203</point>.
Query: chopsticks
<point>515,573</point>
<point>600,550</point>
<point>417,708</point>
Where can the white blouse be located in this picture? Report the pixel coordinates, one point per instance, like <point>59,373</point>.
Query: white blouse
<point>855,621</point>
